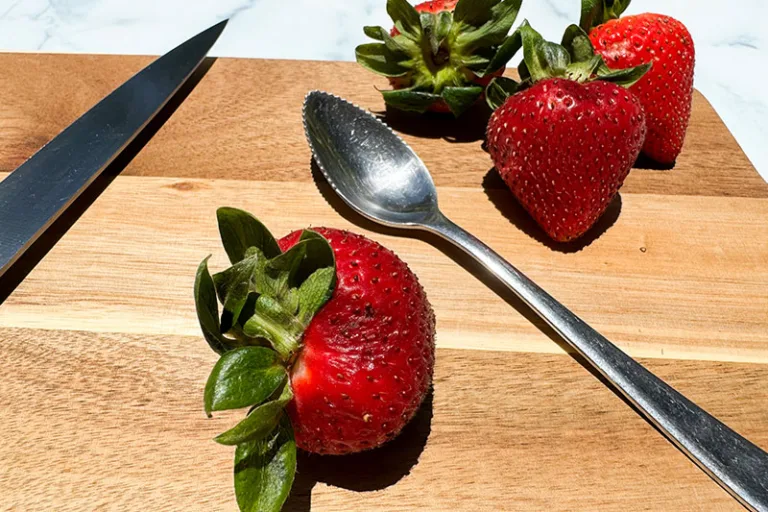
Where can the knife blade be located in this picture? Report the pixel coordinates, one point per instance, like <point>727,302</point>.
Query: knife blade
<point>34,195</point>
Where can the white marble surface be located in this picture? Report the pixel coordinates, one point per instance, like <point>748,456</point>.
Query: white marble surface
<point>731,48</point>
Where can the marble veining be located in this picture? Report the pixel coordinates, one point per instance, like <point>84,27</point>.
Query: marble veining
<point>731,48</point>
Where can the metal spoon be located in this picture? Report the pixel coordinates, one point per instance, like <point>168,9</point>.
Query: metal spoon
<point>380,177</point>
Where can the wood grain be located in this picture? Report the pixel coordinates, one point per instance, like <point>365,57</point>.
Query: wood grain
<point>640,283</point>
<point>243,121</point>
<point>104,366</point>
<point>554,439</point>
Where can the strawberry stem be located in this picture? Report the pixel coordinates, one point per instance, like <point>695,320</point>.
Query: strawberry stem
<point>429,53</point>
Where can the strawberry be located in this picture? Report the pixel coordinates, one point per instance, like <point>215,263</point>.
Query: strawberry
<point>563,142</point>
<point>440,54</point>
<point>367,356</point>
<point>326,335</point>
<point>666,91</point>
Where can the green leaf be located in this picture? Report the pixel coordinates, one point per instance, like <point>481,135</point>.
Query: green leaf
<point>292,267</point>
<point>504,53</point>
<point>291,301</point>
<point>315,292</point>
<point>276,278</point>
<point>410,100</point>
<point>614,9</point>
<point>443,25</point>
<point>240,230</point>
<point>522,70</point>
<point>583,71</point>
<point>259,422</point>
<point>577,42</point>
<point>235,283</point>
<point>498,90</point>
<point>394,44</point>
<point>378,58</point>
<point>376,33</point>
<point>406,18</point>
<point>623,77</point>
<point>265,469</point>
<point>285,284</point>
<point>542,59</point>
<point>493,31</point>
<point>265,300</point>
<point>591,14</point>
<point>208,310</point>
<point>474,12</point>
<point>459,99</point>
<point>428,22</point>
<point>243,377</point>
<point>597,12</point>
<point>555,58</point>
<point>274,323</point>
<point>477,62</point>
<point>318,254</point>
<point>308,234</point>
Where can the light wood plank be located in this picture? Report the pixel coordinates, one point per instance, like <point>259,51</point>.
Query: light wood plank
<point>698,290</point>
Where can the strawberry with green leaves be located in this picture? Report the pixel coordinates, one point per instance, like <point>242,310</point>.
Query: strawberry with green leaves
<point>666,91</point>
<point>326,336</point>
<point>440,54</point>
<point>566,136</point>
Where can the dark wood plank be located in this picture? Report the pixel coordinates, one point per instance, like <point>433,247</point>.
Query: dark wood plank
<point>115,421</point>
<point>243,122</point>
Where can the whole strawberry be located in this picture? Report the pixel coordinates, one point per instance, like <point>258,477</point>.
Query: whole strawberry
<point>326,335</point>
<point>367,356</point>
<point>440,54</point>
<point>563,142</point>
<point>666,91</point>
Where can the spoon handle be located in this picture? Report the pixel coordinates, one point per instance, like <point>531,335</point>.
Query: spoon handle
<point>731,460</point>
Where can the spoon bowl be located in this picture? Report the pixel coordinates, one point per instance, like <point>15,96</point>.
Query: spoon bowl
<point>367,164</point>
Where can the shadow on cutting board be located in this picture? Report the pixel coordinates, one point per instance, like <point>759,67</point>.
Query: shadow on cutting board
<point>470,128</point>
<point>648,164</point>
<point>37,251</point>
<point>474,268</point>
<point>366,471</point>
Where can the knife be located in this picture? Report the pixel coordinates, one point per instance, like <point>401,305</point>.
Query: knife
<point>34,195</point>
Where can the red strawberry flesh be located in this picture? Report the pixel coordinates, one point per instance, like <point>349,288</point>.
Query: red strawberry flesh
<point>437,6</point>
<point>367,355</point>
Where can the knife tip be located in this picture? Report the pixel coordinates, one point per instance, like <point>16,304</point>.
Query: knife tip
<point>219,27</point>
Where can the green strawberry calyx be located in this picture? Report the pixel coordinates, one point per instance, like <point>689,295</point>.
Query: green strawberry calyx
<point>573,59</point>
<point>597,12</point>
<point>435,59</point>
<point>268,298</point>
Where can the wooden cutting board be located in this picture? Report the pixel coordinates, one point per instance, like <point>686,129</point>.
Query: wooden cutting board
<point>103,365</point>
